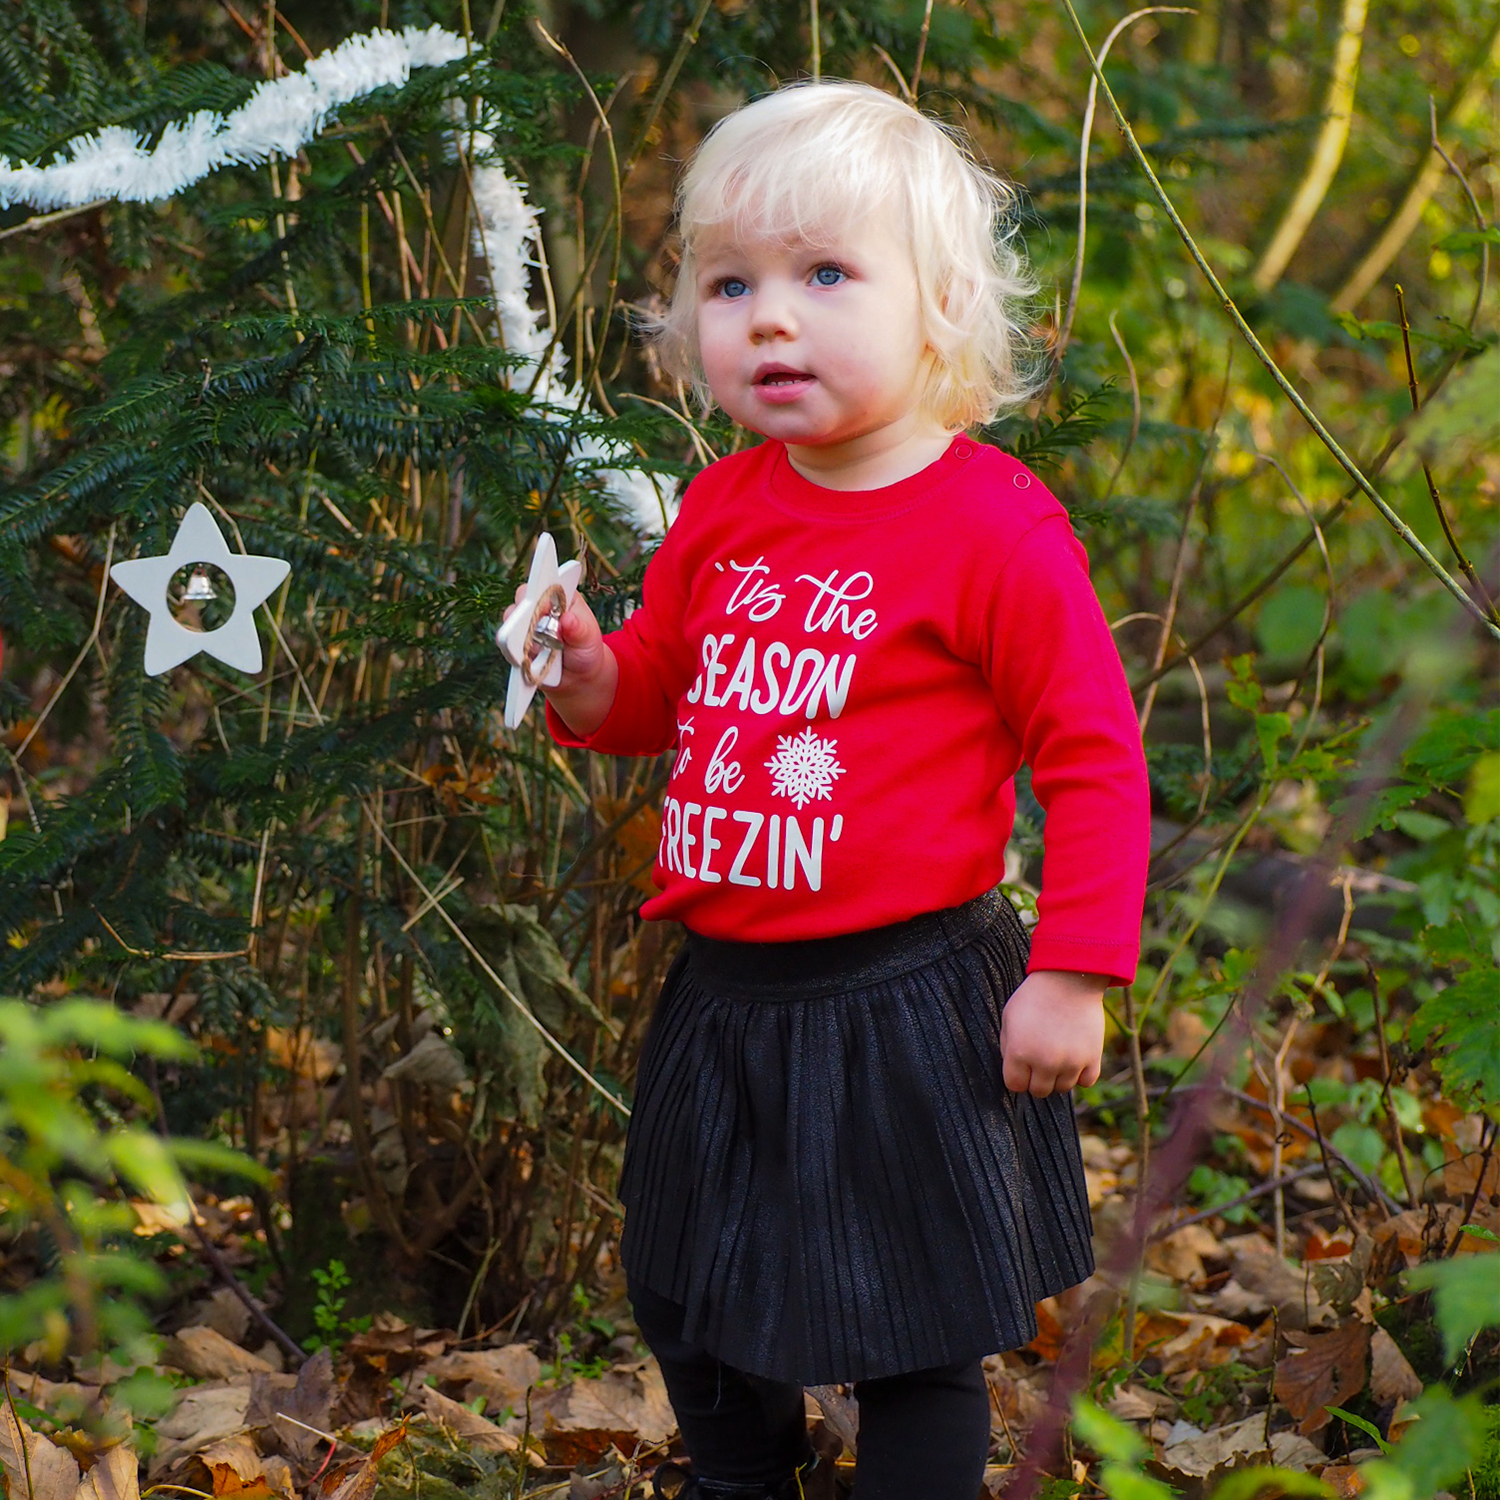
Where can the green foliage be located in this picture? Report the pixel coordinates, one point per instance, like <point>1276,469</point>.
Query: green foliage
<point>1444,1439</point>
<point>1123,1450</point>
<point>1465,1294</point>
<point>334,1329</point>
<point>68,1160</point>
<point>1463,1016</point>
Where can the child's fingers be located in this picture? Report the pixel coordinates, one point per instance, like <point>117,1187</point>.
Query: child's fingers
<point>1090,1074</point>
<point>579,627</point>
<point>1017,1075</point>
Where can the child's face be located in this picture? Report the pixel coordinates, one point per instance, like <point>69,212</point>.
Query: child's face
<point>814,344</point>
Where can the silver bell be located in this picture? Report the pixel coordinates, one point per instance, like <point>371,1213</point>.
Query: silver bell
<point>199,588</point>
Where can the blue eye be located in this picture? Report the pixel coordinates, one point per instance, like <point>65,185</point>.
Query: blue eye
<point>732,286</point>
<point>828,276</point>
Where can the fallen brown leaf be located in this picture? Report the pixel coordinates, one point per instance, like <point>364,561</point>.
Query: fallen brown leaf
<point>477,1431</point>
<point>227,1482</point>
<point>115,1475</point>
<point>1050,1333</point>
<point>1344,1480</point>
<point>501,1376</point>
<point>205,1353</point>
<point>1207,1455</point>
<point>1392,1378</point>
<point>293,1420</point>
<point>237,1453</point>
<point>1322,1370</point>
<point>357,1480</point>
<point>32,1465</point>
<point>1179,1255</point>
<point>203,1413</point>
<point>629,1399</point>
<point>1262,1280</point>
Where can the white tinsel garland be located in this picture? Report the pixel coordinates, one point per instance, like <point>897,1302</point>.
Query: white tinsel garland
<point>281,117</point>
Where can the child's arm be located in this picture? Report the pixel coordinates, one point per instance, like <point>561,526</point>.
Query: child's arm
<point>1057,675</point>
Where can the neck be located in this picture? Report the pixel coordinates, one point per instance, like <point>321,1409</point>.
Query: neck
<point>873,459</point>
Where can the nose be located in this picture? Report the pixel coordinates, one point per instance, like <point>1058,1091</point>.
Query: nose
<point>772,315</point>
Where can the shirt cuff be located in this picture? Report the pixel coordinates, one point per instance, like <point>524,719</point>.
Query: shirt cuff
<point>1112,958</point>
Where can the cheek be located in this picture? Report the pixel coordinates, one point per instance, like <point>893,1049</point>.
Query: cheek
<point>718,339</point>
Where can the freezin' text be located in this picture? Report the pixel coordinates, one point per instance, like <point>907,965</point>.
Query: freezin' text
<point>714,844</point>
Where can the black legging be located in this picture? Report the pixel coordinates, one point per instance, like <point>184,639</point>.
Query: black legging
<point>922,1436</point>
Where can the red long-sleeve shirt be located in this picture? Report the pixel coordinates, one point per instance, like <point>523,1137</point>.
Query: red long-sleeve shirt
<point>851,679</point>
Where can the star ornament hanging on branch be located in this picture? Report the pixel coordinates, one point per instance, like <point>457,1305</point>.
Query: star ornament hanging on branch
<point>199,540</point>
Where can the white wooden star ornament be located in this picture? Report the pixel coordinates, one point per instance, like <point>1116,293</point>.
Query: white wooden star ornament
<point>199,540</point>
<point>531,639</point>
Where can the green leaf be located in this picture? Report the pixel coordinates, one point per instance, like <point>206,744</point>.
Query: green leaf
<point>1482,795</point>
<point>1421,826</point>
<point>1465,1020</point>
<point>1108,1436</point>
<point>1123,1450</point>
<point>1442,1443</point>
<point>215,1157</point>
<point>1465,1294</point>
<point>143,1160</point>
<point>1366,1427</point>
<point>1480,1232</point>
<point>1470,239</point>
<point>1270,730</point>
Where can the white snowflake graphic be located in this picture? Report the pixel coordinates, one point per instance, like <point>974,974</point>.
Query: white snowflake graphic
<point>803,767</point>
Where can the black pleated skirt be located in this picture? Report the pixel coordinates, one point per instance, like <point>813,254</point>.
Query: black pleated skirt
<point>824,1166</point>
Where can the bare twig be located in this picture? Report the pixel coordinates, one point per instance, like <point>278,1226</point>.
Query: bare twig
<point>1437,500</point>
<point>1325,1151</point>
<point>40,221</point>
<point>916,70</point>
<point>1479,219</point>
<point>83,650</point>
<point>1065,328</point>
<point>1397,1139</point>
<point>1135,406</point>
<point>1274,1185</point>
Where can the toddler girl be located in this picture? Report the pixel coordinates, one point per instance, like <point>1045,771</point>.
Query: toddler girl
<point>853,1155</point>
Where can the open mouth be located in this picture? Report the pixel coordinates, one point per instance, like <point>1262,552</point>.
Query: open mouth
<point>775,376</point>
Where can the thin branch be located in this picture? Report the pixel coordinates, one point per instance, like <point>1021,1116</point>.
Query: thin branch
<point>1065,329</point>
<point>916,71</point>
<point>88,645</point>
<point>40,221</point>
<point>1432,489</point>
<point>1479,219</point>
<point>1135,405</point>
<point>1276,1185</point>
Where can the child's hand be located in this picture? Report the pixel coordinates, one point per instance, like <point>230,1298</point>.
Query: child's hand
<point>590,673</point>
<point>1052,1032</point>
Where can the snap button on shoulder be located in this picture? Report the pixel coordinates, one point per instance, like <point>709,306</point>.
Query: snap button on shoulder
<point>964,450</point>
<point>1022,481</point>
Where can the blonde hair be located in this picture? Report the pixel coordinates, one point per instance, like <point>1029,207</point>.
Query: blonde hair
<point>817,157</point>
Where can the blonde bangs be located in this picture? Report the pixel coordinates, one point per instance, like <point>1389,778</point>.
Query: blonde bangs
<point>812,160</point>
